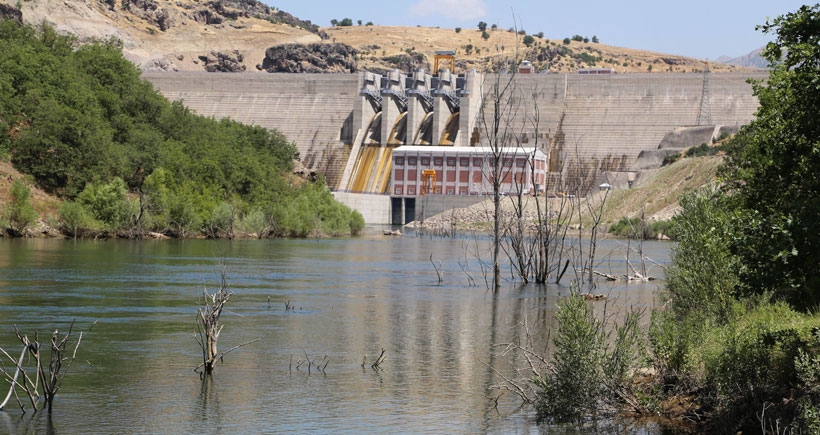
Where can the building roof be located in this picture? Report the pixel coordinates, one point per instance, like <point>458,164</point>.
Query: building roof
<point>469,150</point>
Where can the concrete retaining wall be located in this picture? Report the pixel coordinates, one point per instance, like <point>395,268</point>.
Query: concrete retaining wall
<point>375,209</point>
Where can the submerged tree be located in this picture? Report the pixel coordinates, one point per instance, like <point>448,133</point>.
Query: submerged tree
<point>47,379</point>
<point>209,327</point>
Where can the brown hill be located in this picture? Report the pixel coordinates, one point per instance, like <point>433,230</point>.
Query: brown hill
<point>234,35</point>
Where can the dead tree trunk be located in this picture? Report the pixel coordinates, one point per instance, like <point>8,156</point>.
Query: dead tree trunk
<point>208,326</point>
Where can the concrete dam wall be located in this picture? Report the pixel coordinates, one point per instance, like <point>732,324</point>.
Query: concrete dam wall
<point>590,124</point>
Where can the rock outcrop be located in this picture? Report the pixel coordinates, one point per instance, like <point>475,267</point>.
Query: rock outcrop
<point>10,13</point>
<point>310,58</point>
<point>223,62</point>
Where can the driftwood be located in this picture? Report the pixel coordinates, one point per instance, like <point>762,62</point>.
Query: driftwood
<point>606,275</point>
<point>376,364</point>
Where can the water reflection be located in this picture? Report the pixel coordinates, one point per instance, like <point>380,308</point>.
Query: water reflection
<point>352,297</point>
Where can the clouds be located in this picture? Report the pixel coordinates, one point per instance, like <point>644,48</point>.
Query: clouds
<point>456,9</point>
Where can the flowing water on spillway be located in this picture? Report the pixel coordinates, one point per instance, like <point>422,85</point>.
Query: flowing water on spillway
<point>133,372</point>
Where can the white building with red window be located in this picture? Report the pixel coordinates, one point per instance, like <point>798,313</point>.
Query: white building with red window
<point>444,170</point>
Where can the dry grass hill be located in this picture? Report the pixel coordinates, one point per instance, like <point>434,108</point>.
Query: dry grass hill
<point>180,34</point>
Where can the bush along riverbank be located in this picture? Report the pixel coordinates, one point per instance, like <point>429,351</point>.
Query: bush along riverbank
<point>119,160</point>
<point>733,344</point>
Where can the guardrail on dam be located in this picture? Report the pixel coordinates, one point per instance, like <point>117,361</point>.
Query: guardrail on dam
<point>602,123</point>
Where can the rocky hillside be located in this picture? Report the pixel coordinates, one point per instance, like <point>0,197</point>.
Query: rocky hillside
<point>235,35</point>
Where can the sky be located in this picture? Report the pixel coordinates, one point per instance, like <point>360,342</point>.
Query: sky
<point>703,29</point>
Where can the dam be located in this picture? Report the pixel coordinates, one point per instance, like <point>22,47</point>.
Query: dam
<point>589,128</point>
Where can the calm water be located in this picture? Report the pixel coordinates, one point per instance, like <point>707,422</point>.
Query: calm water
<point>133,373</point>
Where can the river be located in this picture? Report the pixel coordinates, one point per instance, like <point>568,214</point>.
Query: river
<point>350,297</point>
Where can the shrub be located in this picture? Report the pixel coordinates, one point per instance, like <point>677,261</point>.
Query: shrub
<point>702,150</point>
<point>589,365</point>
<point>670,158</point>
<point>485,35</point>
<point>577,38</point>
<point>20,213</point>
<point>458,29</point>
<point>482,26</point>
<point>574,387</point>
<point>107,202</point>
<point>75,220</point>
<point>528,40</point>
<point>566,41</point>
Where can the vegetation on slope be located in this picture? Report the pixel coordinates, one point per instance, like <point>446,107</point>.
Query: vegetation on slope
<point>79,120</point>
<point>739,327</point>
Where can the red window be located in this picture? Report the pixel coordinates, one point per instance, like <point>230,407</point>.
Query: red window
<point>438,161</point>
<point>411,161</point>
<point>425,161</point>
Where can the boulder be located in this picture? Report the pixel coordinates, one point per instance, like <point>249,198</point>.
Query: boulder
<point>310,58</point>
<point>223,62</point>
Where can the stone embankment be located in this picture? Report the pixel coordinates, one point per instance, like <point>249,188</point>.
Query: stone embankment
<point>478,217</point>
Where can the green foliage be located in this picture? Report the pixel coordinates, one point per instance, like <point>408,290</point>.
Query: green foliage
<point>744,270</point>
<point>670,158</point>
<point>20,213</point>
<point>87,127</point>
<point>482,26</point>
<point>634,228</point>
<point>346,22</point>
<point>256,223</point>
<point>107,202</point>
<point>702,150</point>
<point>485,35</point>
<point>221,221</point>
<point>566,41</point>
<point>573,389</point>
<point>589,365</point>
<point>75,220</point>
<point>577,38</point>
<point>458,29</point>
<point>595,40</point>
<point>468,48</point>
<point>773,163</point>
<point>589,59</point>
<point>703,277</point>
<point>528,40</point>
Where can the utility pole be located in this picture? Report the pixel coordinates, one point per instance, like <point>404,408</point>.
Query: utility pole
<point>705,111</point>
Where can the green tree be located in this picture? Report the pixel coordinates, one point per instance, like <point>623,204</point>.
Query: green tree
<point>75,219</point>
<point>773,166</point>
<point>21,213</point>
<point>482,26</point>
<point>346,22</point>
<point>528,40</point>
<point>107,202</point>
